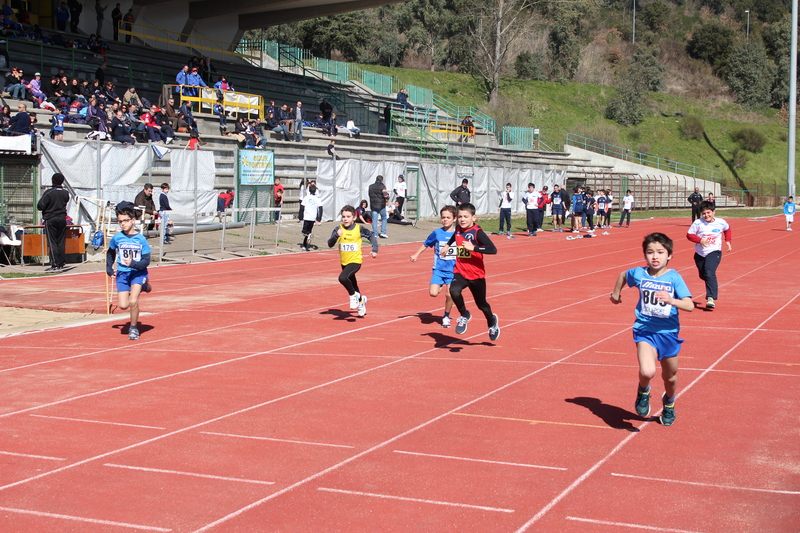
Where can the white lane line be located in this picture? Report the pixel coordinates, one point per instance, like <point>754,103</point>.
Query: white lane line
<point>193,474</point>
<point>33,456</point>
<point>634,526</point>
<point>712,485</point>
<point>627,439</point>
<point>434,502</point>
<point>479,460</point>
<point>96,422</point>
<point>82,519</point>
<point>276,440</point>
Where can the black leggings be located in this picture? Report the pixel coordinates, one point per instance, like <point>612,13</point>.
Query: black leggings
<point>348,277</point>
<point>478,289</point>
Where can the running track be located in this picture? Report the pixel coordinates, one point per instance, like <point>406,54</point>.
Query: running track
<point>255,401</point>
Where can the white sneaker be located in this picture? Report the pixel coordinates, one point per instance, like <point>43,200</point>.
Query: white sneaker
<point>354,299</point>
<point>362,306</point>
<point>445,321</point>
<point>788,229</point>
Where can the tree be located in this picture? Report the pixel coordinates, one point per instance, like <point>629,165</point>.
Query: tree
<point>529,67</point>
<point>628,107</point>
<point>750,74</point>
<point>655,15</point>
<point>426,24</point>
<point>646,71</point>
<point>349,33</point>
<point>564,45</point>
<point>712,43</point>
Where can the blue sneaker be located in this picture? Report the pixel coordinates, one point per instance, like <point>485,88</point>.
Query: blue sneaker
<point>461,324</point>
<point>668,413</point>
<point>133,333</point>
<point>643,404</point>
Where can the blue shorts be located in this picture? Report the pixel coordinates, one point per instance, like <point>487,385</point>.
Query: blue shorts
<point>558,210</point>
<point>128,278</point>
<point>666,344</point>
<point>440,277</point>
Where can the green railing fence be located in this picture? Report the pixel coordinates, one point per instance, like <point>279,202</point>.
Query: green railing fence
<point>642,159</point>
<point>480,119</point>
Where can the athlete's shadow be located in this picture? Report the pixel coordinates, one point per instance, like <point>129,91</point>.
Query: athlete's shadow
<point>124,329</point>
<point>613,416</point>
<point>454,344</point>
<point>340,315</point>
<point>428,318</point>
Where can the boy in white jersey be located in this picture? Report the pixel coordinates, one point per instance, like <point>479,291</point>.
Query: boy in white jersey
<point>788,211</point>
<point>707,234</point>
<point>442,266</point>
<point>662,292</point>
<point>130,251</point>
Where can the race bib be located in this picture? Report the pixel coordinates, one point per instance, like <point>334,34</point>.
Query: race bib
<point>711,239</point>
<point>348,247</point>
<point>463,252</point>
<point>451,251</point>
<point>557,200</point>
<point>651,306</point>
<point>132,251</point>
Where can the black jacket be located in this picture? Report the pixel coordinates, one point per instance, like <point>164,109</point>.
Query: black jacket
<point>53,203</point>
<point>461,195</point>
<point>377,196</point>
<point>695,198</point>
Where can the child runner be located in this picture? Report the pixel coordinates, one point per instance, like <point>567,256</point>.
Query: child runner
<point>601,201</point>
<point>129,249</point>
<point>627,207</point>
<point>442,266</point>
<point>312,214</point>
<point>531,201</point>
<point>662,292</point>
<point>506,203</point>
<point>560,202</point>
<point>469,271</point>
<point>577,209</point>
<point>348,236</point>
<point>788,210</point>
<point>707,232</point>
<point>609,203</point>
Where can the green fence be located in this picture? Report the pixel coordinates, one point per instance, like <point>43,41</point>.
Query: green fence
<point>642,159</point>
<point>480,119</point>
<point>380,83</point>
<point>19,192</point>
<point>520,138</point>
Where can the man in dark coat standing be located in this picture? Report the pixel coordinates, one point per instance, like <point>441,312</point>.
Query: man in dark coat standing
<point>53,205</point>
<point>461,195</point>
<point>378,197</point>
<point>695,198</point>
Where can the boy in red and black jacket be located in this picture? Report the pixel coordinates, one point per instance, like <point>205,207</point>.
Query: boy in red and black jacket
<point>472,243</point>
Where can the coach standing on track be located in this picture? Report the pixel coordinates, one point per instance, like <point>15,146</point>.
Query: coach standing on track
<point>53,205</point>
<point>461,195</point>
<point>695,198</point>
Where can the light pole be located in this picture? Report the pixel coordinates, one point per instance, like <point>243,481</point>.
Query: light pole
<point>634,22</point>
<point>748,26</point>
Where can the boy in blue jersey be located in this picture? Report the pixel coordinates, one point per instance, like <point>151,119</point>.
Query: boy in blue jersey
<point>788,211</point>
<point>662,292</point>
<point>58,121</point>
<point>442,266</point>
<point>130,251</point>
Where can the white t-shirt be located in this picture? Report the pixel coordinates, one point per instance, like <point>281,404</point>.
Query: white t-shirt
<point>506,200</point>
<point>400,189</point>
<point>713,232</point>
<point>627,202</point>
<point>311,204</point>
<point>532,199</point>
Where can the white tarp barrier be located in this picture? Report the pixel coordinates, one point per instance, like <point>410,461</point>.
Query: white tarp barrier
<point>16,143</point>
<point>352,178</point>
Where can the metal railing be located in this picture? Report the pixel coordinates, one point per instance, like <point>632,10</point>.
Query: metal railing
<point>480,119</point>
<point>173,41</point>
<point>423,141</point>
<point>236,101</point>
<point>642,159</point>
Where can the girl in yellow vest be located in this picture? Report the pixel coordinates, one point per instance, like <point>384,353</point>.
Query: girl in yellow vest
<point>348,239</point>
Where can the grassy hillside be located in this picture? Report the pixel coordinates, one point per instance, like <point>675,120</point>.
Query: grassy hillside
<point>558,109</point>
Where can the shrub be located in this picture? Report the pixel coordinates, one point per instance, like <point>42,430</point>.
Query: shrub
<point>750,138</point>
<point>628,108</point>
<point>529,67</point>
<point>692,127</point>
<point>634,135</point>
<point>600,131</point>
<point>740,158</point>
<point>712,43</point>
<point>643,148</point>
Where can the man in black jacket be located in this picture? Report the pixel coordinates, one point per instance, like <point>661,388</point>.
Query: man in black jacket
<point>695,199</point>
<point>146,206</point>
<point>378,196</point>
<point>461,195</point>
<point>53,205</point>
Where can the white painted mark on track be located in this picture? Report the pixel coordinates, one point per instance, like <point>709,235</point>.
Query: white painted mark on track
<point>479,460</point>
<point>33,456</point>
<point>82,519</point>
<point>633,526</point>
<point>276,440</point>
<point>192,474</point>
<point>96,422</point>
<point>711,485</point>
<point>403,498</point>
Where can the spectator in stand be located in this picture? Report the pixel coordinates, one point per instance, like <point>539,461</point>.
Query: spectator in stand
<point>162,120</point>
<point>96,116</point>
<point>332,129</point>
<point>461,195</point>
<point>5,119</point>
<point>271,108</point>
<point>223,84</point>
<point>57,121</point>
<point>467,128</point>
<point>171,114</point>
<point>35,88</point>
<point>326,109</point>
<point>402,98</point>
<point>352,129</point>
<point>180,79</point>
<point>86,89</point>
<point>319,122</point>
<point>285,118</point>
<point>298,122</point>
<point>76,91</point>
<point>153,127</point>
<point>100,73</point>
<point>116,18</point>
<point>130,97</point>
<point>20,124</point>
<point>96,45</point>
<point>193,81</point>
<point>133,120</point>
<point>110,94</point>
<point>75,10</point>
<point>387,119</point>
<point>15,85</point>
<point>257,131</point>
<point>191,123</point>
<point>332,150</point>
<point>100,14</point>
<point>120,131</point>
<point>207,69</point>
<point>180,121</point>
<point>219,109</point>
<point>193,143</point>
<point>128,19</point>
<point>62,16</point>
<point>277,127</point>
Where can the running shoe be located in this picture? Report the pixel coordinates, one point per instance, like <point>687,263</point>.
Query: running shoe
<point>511,236</point>
<point>710,304</point>
<point>494,331</point>
<point>383,236</point>
<point>445,321</point>
<point>354,299</point>
<point>362,306</point>
<point>643,404</point>
<point>668,413</point>
<point>146,287</point>
<point>461,324</point>
<point>133,333</point>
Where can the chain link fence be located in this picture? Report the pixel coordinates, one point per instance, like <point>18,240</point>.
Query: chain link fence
<point>19,192</point>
